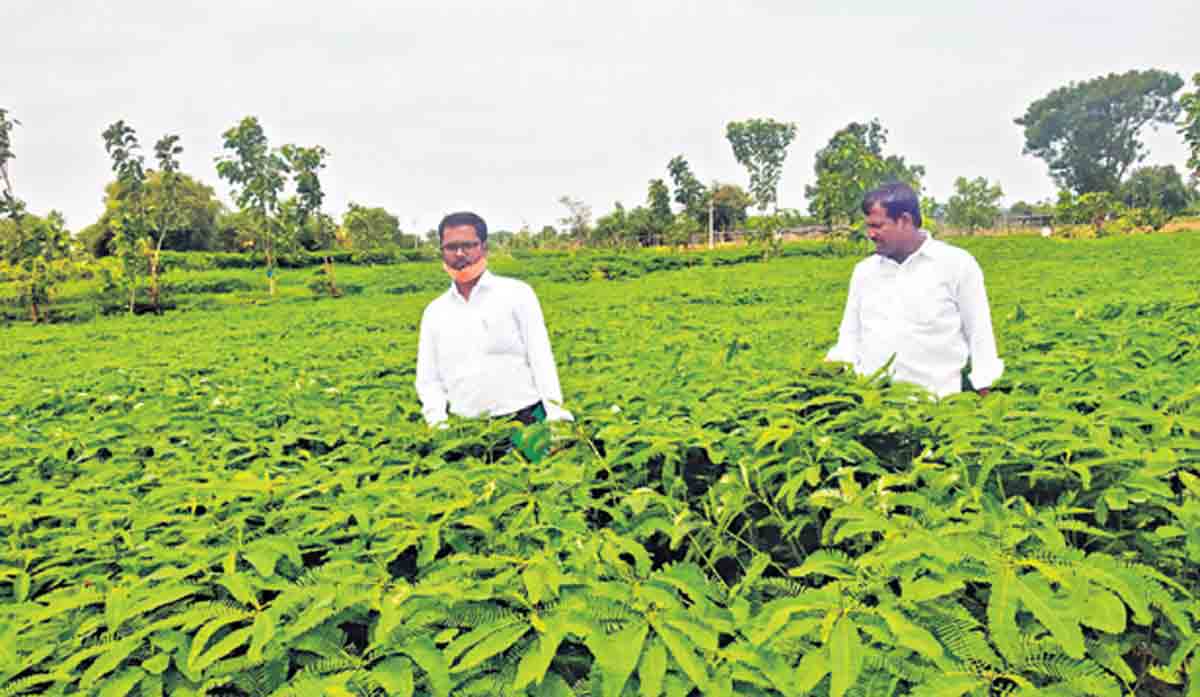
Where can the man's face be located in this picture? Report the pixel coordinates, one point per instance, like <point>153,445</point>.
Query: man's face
<point>461,246</point>
<point>892,238</point>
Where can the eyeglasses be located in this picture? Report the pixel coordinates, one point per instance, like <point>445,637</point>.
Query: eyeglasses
<point>454,247</point>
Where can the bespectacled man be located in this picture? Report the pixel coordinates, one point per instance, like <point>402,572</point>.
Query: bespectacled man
<point>484,349</point>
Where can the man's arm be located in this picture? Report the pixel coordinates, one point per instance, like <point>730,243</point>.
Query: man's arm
<point>986,366</point>
<point>429,382</point>
<point>850,331</point>
<point>540,357</point>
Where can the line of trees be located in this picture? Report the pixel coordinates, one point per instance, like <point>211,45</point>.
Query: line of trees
<point>1088,133</point>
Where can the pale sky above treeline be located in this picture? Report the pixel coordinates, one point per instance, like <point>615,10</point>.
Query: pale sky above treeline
<point>502,107</point>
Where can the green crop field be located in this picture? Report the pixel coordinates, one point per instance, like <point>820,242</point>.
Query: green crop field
<point>241,498</point>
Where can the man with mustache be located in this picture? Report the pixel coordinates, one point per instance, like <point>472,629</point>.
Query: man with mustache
<point>484,349</point>
<point>918,302</point>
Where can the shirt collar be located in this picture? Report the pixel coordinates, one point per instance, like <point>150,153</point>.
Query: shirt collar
<point>486,280</point>
<point>929,248</point>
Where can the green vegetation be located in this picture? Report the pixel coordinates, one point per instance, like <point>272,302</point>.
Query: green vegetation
<point>245,501</point>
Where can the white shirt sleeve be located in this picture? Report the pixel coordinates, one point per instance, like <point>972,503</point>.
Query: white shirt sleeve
<point>540,357</point>
<point>986,366</point>
<point>429,382</point>
<point>850,331</point>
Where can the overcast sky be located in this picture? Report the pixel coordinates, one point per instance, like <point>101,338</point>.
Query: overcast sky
<point>502,107</point>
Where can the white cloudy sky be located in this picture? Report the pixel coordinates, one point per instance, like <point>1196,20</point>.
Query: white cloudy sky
<point>504,106</point>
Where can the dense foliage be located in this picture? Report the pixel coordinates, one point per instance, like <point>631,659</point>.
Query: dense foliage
<point>246,501</point>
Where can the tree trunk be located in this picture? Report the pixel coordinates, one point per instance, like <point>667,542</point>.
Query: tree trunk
<point>33,311</point>
<point>333,289</point>
<point>154,288</point>
<point>271,268</point>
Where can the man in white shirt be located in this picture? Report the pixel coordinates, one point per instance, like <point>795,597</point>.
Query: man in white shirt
<point>918,300</point>
<point>484,349</point>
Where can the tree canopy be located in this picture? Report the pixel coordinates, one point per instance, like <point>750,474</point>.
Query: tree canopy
<point>975,203</point>
<point>1088,132</point>
<point>849,166</point>
<point>760,145</point>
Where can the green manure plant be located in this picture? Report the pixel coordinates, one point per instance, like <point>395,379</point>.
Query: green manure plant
<point>244,500</point>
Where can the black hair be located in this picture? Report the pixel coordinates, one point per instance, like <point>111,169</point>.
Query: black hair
<point>463,218</point>
<point>896,198</point>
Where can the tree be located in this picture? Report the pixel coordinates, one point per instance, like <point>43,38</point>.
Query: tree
<point>301,214</point>
<point>849,166</point>
<point>610,229</point>
<point>658,200</point>
<point>578,221</point>
<point>975,203</point>
<point>1087,132</point>
<point>34,252</point>
<point>258,175</point>
<point>1190,127</point>
<point>370,228</point>
<point>10,205</point>
<point>760,145</point>
<point>1021,208</point>
<point>132,228</point>
<point>1159,187</point>
<point>167,215</point>
<point>730,203</point>
<point>196,226</point>
<point>689,192</point>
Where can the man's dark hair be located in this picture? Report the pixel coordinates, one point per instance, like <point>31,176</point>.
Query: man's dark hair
<point>896,198</point>
<point>463,218</point>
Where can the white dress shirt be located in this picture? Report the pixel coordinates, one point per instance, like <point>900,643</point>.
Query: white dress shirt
<point>487,355</point>
<point>930,312</point>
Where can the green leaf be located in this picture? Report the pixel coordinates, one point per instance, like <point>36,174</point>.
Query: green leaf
<point>552,686</point>
<point>232,641</point>
<point>425,654</point>
<point>684,653</point>
<point>1055,616</point>
<point>1103,610</point>
<point>108,661</point>
<point>157,665</point>
<point>395,675</point>
<point>497,642</point>
<point>617,655</point>
<point>534,664</point>
<point>652,669</point>
<point>949,686</point>
<point>814,666</point>
<point>239,587</point>
<point>120,684</point>
<point>912,636</point>
<point>845,656</point>
<point>827,563</point>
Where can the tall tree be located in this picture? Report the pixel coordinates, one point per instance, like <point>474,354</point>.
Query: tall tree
<point>975,203</point>
<point>1088,132</point>
<point>1190,127</point>
<point>34,252</point>
<point>689,192</point>
<point>1159,187</point>
<point>10,205</point>
<point>849,166</point>
<point>303,210</point>
<point>578,220</point>
<point>366,228</point>
<point>133,226</point>
<point>258,175</point>
<point>658,200</point>
<point>168,215</point>
<point>760,145</point>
